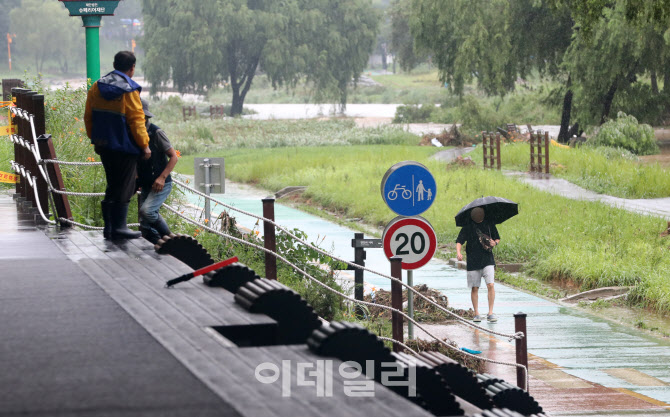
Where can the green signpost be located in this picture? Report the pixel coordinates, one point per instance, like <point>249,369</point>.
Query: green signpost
<point>91,13</point>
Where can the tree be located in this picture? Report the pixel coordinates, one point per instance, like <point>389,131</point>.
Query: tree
<point>50,34</point>
<point>402,42</point>
<point>340,50</point>
<point>472,41</point>
<point>587,13</point>
<point>201,44</point>
<point>607,61</point>
<point>492,42</point>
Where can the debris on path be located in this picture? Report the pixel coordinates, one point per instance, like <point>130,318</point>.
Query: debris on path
<point>423,310</point>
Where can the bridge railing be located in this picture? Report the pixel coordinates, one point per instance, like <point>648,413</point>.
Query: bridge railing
<point>33,147</point>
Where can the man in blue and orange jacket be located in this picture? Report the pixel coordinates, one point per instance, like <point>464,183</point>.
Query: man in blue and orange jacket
<point>115,124</point>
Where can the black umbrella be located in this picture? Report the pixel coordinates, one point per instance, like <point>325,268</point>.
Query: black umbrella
<point>497,210</point>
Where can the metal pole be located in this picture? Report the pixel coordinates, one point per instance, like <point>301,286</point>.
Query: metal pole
<point>359,259</point>
<point>396,301</point>
<point>410,304</point>
<point>269,238</point>
<point>521,349</point>
<point>92,25</point>
<point>208,184</point>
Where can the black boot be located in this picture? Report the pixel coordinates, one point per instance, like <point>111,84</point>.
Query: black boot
<point>156,231</point>
<point>107,232</point>
<point>161,226</point>
<point>118,213</point>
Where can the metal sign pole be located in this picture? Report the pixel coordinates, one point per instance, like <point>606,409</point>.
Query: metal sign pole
<point>208,183</point>
<point>359,259</point>
<point>410,304</point>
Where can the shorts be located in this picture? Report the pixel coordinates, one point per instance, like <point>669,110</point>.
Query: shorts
<point>475,277</point>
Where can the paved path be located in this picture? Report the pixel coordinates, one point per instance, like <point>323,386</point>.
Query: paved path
<point>655,206</point>
<point>574,355</point>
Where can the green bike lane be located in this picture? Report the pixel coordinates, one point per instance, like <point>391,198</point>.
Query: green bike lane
<point>577,345</point>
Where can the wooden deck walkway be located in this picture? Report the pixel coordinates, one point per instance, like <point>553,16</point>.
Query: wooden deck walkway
<point>88,329</point>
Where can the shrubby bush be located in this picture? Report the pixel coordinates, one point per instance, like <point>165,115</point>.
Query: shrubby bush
<point>414,113</point>
<point>625,132</point>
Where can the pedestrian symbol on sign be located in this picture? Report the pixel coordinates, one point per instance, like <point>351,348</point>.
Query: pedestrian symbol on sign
<point>408,188</point>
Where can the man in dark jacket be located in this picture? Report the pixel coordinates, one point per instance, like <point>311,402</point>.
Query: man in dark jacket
<point>153,177</point>
<point>481,236</point>
<point>115,124</point>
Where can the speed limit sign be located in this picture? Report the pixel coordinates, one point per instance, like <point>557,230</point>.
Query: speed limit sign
<point>411,238</point>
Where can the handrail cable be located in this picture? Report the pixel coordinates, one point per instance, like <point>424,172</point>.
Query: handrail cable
<point>342,295</point>
<point>32,182</point>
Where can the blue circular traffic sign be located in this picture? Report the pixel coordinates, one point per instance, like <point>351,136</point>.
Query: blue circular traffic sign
<point>408,188</point>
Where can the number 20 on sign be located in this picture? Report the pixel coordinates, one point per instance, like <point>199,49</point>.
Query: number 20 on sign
<point>411,238</point>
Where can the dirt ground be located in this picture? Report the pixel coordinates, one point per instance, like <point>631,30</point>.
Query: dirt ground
<point>662,159</point>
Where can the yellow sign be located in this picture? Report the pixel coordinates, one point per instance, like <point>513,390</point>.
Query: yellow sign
<point>7,130</point>
<point>11,129</point>
<point>7,177</point>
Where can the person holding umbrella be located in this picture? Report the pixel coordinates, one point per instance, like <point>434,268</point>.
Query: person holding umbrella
<point>480,235</point>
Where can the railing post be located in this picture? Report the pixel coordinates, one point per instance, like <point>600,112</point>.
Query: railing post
<point>30,162</point>
<point>484,146</point>
<point>208,185</point>
<point>39,122</point>
<point>498,150</point>
<point>18,149</point>
<point>396,301</point>
<point>7,85</point>
<point>521,349</point>
<point>359,259</point>
<point>546,152</point>
<point>47,151</point>
<point>269,238</point>
<point>532,152</point>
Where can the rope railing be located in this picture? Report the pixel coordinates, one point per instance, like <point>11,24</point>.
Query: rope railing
<point>346,297</point>
<point>510,337</point>
<point>31,181</point>
<point>518,335</point>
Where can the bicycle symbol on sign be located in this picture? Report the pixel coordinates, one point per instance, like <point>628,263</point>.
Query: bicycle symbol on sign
<point>393,194</point>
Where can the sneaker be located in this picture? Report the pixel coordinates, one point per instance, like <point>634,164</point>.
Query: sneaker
<point>477,318</point>
<point>492,318</point>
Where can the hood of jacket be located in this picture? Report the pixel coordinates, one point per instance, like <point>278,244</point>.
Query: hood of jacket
<point>115,84</point>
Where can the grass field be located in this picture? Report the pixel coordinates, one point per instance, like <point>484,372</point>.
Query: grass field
<point>603,170</point>
<point>590,243</point>
<point>211,135</point>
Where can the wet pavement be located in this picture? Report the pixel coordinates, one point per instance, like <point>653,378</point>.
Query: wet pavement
<point>656,206</point>
<point>580,363</point>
